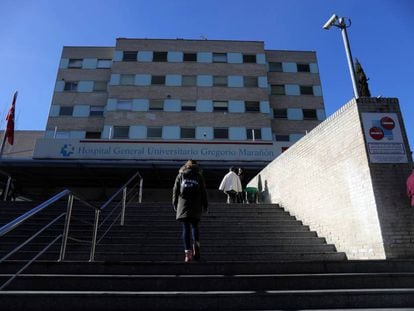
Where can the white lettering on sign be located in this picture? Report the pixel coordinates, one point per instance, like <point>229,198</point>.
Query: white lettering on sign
<point>384,139</point>
<point>107,149</point>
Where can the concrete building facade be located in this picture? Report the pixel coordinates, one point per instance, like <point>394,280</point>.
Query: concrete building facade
<point>346,180</point>
<point>180,99</point>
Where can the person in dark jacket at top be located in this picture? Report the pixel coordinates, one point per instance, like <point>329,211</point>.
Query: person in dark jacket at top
<point>190,201</point>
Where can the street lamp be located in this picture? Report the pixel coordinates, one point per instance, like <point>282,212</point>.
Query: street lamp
<point>341,24</point>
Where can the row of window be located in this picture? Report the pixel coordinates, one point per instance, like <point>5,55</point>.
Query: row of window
<point>299,114</point>
<point>292,67</point>
<point>122,132</point>
<point>89,63</point>
<point>156,132</point>
<point>158,105</point>
<point>295,89</point>
<point>188,80</point>
<point>96,86</point>
<point>213,81</point>
<point>163,56</point>
<point>161,105</point>
<point>93,63</point>
<point>167,132</point>
<point>188,105</point>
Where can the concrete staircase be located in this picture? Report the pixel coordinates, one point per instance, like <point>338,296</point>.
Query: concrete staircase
<point>254,257</point>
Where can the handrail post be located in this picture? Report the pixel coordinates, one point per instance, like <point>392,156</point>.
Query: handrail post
<point>6,190</point>
<point>124,195</point>
<point>141,181</point>
<point>66,228</point>
<point>95,234</point>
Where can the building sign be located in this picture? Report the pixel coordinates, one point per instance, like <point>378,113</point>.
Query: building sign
<point>384,139</point>
<point>141,150</point>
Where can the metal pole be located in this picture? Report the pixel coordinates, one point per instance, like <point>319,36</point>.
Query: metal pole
<point>95,234</point>
<point>348,56</point>
<point>66,228</point>
<point>124,194</point>
<point>141,181</point>
<point>6,190</point>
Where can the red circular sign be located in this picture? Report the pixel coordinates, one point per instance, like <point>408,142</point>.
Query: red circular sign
<point>387,123</point>
<point>376,133</point>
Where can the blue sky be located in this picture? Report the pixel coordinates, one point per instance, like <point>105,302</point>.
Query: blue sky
<point>32,35</point>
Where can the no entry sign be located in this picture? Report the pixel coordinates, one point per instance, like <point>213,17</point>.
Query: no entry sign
<point>376,133</point>
<point>387,123</point>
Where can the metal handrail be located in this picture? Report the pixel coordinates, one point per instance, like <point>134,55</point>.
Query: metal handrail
<point>9,180</point>
<point>71,196</point>
<point>98,211</point>
<point>19,220</point>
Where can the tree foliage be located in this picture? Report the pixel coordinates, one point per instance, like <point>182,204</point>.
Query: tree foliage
<point>362,80</point>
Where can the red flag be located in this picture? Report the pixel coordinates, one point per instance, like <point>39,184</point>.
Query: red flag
<point>10,122</point>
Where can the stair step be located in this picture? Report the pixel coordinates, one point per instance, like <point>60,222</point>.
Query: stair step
<point>165,282</point>
<point>210,300</point>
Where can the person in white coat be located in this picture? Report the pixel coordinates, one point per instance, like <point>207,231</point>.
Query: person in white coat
<point>231,186</point>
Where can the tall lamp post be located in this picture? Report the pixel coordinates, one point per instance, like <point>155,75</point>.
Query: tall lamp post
<point>341,24</point>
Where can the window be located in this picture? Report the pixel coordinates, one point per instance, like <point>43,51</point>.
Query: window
<point>130,56</point>
<point>277,89</point>
<point>309,114</point>
<point>62,134</point>
<point>93,135</point>
<point>190,57</point>
<point>104,63</point>
<point>250,81</point>
<point>121,132</point>
<point>188,132</point>
<point>96,111</point>
<point>303,67</point>
<point>127,79</point>
<point>189,80</point>
<point>275,67</point>
<point>154,132</point>
<point>158,80</point>
<point>124,104</point>
<point>249,58</point>
<point>220,106</point>
<point>156,105</point>
<point>282,137</point>
<point>306,90</point>
<point>252,106</point>
<point>71,86</point>
<point>280,113</point>
<point>66,111</point>
<point>254,134</point>
<point>188,105</point>
<point>75,63</point>
<point>219,57</point>
<point>221,133</point>
<point>219,81</point>
<point>159,57</point>
<point>99,86</point>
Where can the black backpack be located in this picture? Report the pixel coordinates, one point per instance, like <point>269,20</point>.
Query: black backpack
<point>189,186</point>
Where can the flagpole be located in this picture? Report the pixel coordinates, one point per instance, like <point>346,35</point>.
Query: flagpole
<point>3,143</point>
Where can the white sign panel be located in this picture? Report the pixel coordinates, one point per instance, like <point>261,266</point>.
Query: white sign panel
<point>139,150</point>
<point>384,139</point>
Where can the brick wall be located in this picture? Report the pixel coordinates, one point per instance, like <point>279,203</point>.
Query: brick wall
<point>327,181</point>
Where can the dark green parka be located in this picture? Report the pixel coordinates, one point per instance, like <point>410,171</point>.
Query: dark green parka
<point>189,208</point>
